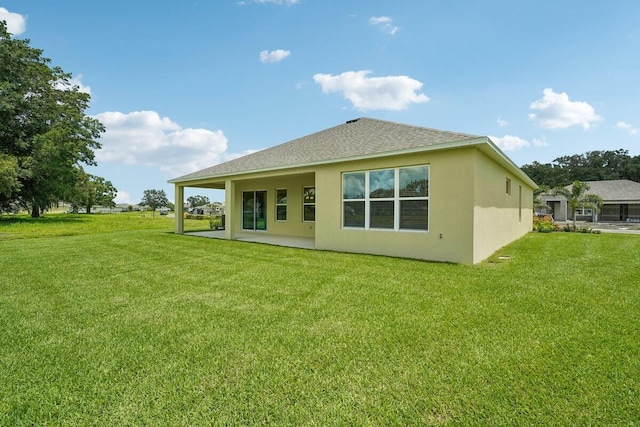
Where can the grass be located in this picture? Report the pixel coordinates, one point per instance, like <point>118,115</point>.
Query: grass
<point>62,224</point>
<point>143,327</point>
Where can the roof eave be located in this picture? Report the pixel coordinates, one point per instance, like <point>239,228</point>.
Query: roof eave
<point>443,146</point>
<point>494,152</point>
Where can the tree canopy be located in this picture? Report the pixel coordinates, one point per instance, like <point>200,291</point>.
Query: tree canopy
<point>154,199</point>
<point>92,190</point>
<point>591,166</point>
<point>45,134</point>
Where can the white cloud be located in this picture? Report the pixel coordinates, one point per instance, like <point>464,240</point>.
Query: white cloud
<point>556,111</point>
<point>74,81</point>
<point>373,93</point>
<point>16,23</point>
<point>627,127</point>
<point>510,142</point>
<point>145,138</point>
<point>123,197</point>
<point>540,142</point>
<point>501,122</point>
<point>273,56</point>
<point>384,24</point>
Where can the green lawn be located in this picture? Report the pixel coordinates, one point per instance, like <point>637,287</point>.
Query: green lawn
<point>116,326</point>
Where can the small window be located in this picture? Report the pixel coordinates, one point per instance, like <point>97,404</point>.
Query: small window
<point>584,212</point>
<point>281,204</point>
<point>309,204</point>
<point>508,188</point>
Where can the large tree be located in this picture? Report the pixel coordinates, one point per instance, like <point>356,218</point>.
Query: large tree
<point>154,199</point>
<point>591,166</point>
<point>45,135</point>
<point>92,190</point>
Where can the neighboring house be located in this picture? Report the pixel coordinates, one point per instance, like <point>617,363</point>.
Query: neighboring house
<point>621,202</point>
<point>377,187</point>
<point>210,209</point>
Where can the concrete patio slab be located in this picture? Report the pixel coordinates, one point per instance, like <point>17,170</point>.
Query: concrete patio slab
<point>270,239</point>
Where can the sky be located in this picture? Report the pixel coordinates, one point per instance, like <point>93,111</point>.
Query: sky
<point>181,85</point>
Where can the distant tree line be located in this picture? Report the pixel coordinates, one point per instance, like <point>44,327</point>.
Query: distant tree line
<point>45,135</point>
<point>591,166</point>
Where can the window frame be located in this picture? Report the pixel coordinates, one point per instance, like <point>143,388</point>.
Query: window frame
<point>367,200</point>
<point>285,205</point>
<point>584,212</point>
<point>508,186</point>
<point>305,204</point>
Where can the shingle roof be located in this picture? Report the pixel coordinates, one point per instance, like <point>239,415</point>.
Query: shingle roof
<point>353,139</point>
<point>619,189</point>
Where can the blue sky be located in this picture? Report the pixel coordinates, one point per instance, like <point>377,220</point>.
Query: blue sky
<point>183,85</point>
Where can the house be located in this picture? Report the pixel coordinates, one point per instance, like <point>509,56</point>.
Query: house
<point>376,187</point>
<point>621,202</point>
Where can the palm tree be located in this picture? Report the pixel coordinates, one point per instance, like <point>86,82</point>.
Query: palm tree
<point>578,198</point>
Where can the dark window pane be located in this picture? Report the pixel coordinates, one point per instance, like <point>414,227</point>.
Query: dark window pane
<point>381,214</point>
<point>382,183</point>
<point>309,195</point>
<point>414,214</point>
<point>261,210</point>
<point>309,213</point>
<point>353,215</point>
<point>247,210</point>
<point>281,213</point>
<point>414,182</point>
<point>353,185</point>
<point>281,197</point>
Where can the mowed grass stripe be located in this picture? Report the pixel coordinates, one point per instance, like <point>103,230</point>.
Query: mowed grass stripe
<point>144,327</point>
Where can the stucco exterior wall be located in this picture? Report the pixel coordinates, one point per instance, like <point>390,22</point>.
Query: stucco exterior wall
<point>470,213</point>
<point>450,210</point>
<point>499,217</point>
<point>293,226</point>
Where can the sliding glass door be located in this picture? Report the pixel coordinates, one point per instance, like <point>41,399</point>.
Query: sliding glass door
<point>254,210</point>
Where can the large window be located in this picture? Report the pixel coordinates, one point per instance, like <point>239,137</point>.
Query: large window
<point>394,199</point>
<point>309,204</point>
<point>281,204</point>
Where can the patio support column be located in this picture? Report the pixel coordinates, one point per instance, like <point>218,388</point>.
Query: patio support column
<point>229,205</point>
<point>179,210</point>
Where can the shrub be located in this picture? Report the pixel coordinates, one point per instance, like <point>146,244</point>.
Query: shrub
<point>585,230</point>
<point>192,216</point>
<point>215,222</point>
<point>544,226</point>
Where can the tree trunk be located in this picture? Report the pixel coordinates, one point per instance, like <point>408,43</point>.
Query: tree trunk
<point>35,211</point>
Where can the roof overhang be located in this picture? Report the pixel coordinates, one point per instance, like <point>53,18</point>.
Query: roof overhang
<point>484,144</point>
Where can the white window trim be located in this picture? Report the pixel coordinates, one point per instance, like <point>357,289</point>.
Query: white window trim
<point>308,204</point>
<point>584,211</point>
<point>396,199</point>
<point>286,205</point>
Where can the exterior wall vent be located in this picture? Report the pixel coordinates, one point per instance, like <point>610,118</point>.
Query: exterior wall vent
<point>352,121</point>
